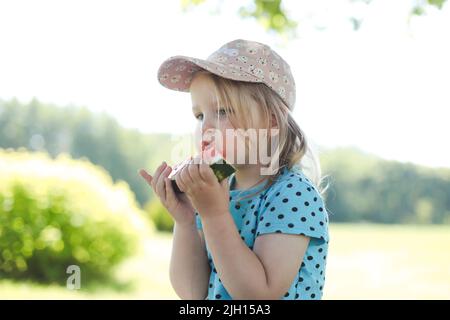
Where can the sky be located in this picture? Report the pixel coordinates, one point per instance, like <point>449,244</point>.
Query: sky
<point>383,89</point>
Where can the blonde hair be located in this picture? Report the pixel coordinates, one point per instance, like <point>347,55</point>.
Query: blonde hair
<point>293,149</point>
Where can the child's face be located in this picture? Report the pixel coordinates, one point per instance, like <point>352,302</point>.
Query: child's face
<point>212,119</point>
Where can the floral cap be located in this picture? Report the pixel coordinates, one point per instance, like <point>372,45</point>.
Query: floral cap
<point>240,60</point>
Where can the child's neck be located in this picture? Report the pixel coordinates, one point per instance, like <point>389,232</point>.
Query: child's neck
<point>248,177</point>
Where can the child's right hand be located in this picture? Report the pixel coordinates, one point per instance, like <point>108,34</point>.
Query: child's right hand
<point>178,205</point>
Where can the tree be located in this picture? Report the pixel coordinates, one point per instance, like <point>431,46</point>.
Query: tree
<point>273,16</point>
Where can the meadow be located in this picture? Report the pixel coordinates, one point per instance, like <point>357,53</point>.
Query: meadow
<point>365,261</point>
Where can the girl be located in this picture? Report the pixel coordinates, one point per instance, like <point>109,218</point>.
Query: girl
<point>254,235</point>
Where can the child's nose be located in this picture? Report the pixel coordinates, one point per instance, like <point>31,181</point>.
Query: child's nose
<point>209,123</point>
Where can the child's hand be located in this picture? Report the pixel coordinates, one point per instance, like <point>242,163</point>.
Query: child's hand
<point>179,206</point>
<point>207,195</point>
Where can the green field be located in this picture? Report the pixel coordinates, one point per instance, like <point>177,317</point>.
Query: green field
<point>364,262</point>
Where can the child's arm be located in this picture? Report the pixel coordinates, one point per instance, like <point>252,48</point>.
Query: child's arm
<point>266,272</point>
<point>189,267</point>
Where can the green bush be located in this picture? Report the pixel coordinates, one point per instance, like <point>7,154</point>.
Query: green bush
<point>161,219</point>
<point>57,213</point>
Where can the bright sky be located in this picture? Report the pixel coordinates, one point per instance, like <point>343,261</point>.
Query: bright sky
<point>384,89</point>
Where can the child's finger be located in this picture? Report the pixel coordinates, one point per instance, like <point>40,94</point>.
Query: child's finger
<point>180,183</point>
<point>158,173</point>
<point>144,174</point>
<point>207,173</point>
<point>160,186</point>
<point>170,193</point>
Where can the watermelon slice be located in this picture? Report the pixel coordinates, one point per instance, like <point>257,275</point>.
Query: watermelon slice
<point>209,155</point>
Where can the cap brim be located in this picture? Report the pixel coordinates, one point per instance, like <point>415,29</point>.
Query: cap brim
<point>176,73</point>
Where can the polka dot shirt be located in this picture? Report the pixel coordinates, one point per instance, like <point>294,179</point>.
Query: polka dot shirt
<point>291,205</point>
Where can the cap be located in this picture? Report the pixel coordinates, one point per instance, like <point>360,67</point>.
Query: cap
<point>239,60</point>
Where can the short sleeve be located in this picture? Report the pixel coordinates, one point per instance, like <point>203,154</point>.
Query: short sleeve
<point>198,222</point>
<point>294,206</point>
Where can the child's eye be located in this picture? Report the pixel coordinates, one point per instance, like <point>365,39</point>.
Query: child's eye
<point>199,116</point>
<point>222,112</point>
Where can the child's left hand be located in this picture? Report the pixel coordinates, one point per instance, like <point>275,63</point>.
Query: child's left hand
<point>207,195</point>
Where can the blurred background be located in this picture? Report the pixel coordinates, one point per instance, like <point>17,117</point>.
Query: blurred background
<point>81,111</point>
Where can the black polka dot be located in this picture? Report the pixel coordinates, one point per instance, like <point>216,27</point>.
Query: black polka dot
<point>242,238</point>
<point>285,200</point>
<point>267,224</point>
<point>315,199</point>
<point>313,213</point>
<point>303,219</point>
<point>280,216</point>
<point>289,185</point>
<point>320,209</point>
<point>261,218</point>
<point>306,203</point>
<point>321,223</point>
<point>290,225</point>
<point>267,204</point>
<point>247,222</point>
<point>230,198</point>
<point>312,229</point>
<point>309,189</point>
<point>243,215</point>
<point>214,270</point>
<point>300,279</point>
<point>320,249</point>
<point>303,264</point>
<point>296,296</point>
<point>286,294</point>
<point>310,258</point>
<point>210,285</point>
<point>253,230</point>
<point>301,179</point>
<point>277,194</point>
<point>255,213</point>
<point>298,193</point>
<point>313,296</point>
<point>320,288</point>
<point>272,209</point>
<point>294,209</point>
<point>317,266</point>
<point>307,288</point>
<point>252,207</point>
<point>257,233</point>
<point>218,296</point>
<point>237,206</point>
<point>249,201</point>
<point>291,175</point>
<point>278,231</point>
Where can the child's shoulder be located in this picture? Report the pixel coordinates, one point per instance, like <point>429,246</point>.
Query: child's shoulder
<point>293,179</point>
<point>292,204</point>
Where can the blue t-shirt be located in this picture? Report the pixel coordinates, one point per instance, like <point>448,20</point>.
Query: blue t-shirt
<point>291,205</point>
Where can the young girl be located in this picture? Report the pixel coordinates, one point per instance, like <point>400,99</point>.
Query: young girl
<point>254,235</point>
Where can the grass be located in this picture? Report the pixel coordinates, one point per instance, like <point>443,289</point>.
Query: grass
<point>364,262</point>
